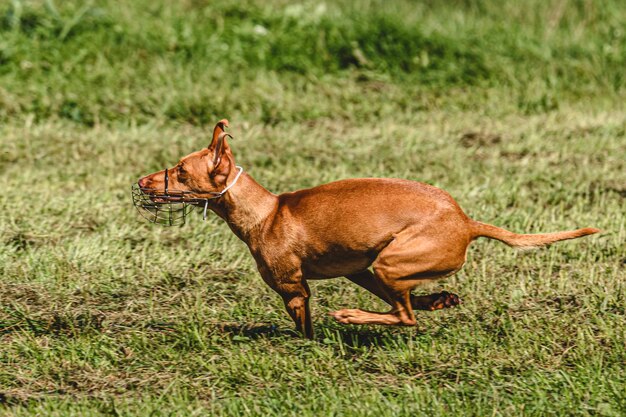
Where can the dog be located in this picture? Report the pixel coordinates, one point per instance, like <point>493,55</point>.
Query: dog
<point>407,232</point>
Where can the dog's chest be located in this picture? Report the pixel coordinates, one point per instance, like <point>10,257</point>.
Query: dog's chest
<point>335,264</point>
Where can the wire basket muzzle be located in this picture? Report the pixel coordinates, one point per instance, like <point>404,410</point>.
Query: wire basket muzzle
<point>164,207</point>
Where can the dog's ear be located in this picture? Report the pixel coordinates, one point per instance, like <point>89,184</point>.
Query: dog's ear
<point>218,151</point>
<point>217,130</point>
<point>217,143</point>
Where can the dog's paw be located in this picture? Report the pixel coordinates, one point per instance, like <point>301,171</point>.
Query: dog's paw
<point>445,300</point>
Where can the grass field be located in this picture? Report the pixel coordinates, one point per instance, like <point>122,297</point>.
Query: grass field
<point>517,109</point>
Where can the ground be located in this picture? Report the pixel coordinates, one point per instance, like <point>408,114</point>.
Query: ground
<point>517,110</point>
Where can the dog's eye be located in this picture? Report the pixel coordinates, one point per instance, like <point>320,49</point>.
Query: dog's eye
<point>181,172</point>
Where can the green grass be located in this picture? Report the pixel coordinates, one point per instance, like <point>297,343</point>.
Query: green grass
<point>516,110</point>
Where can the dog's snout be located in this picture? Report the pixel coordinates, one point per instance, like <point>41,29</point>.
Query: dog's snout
<point>142,182</point>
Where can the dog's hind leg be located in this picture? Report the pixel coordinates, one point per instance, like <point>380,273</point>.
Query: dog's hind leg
<point>367,280</point>
<point>400,314</point>
<point>399,299</point>
<point>431,302</point>
<point>415,255</point>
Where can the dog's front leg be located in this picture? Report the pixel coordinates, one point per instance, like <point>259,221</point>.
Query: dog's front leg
<point>295,293</point>
<point>297,304</point>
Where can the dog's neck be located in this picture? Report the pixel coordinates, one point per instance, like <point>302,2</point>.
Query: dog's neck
<point>245,206</point>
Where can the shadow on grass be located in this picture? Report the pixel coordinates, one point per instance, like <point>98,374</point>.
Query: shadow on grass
<point>349,336</point>
<point>360,337</point>
<point>256,331</point>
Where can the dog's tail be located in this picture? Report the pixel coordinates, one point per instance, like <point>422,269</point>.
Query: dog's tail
<point>526,241</point>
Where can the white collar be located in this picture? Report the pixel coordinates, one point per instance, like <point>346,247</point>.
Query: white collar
<point>221,193</point>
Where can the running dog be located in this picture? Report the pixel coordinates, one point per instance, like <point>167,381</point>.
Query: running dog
<point>407,232</point>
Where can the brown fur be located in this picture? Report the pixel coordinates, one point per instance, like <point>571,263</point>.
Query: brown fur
<point>406,231</point>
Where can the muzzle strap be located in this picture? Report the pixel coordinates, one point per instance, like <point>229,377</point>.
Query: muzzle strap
<point>167,180</point>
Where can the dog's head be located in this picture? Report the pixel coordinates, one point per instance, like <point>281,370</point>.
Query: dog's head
<point>199,175</point>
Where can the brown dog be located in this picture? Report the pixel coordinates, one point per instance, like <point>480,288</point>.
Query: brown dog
<point>408,232</point>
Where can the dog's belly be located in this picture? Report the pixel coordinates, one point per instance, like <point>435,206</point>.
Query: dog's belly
<point>336,265</point>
